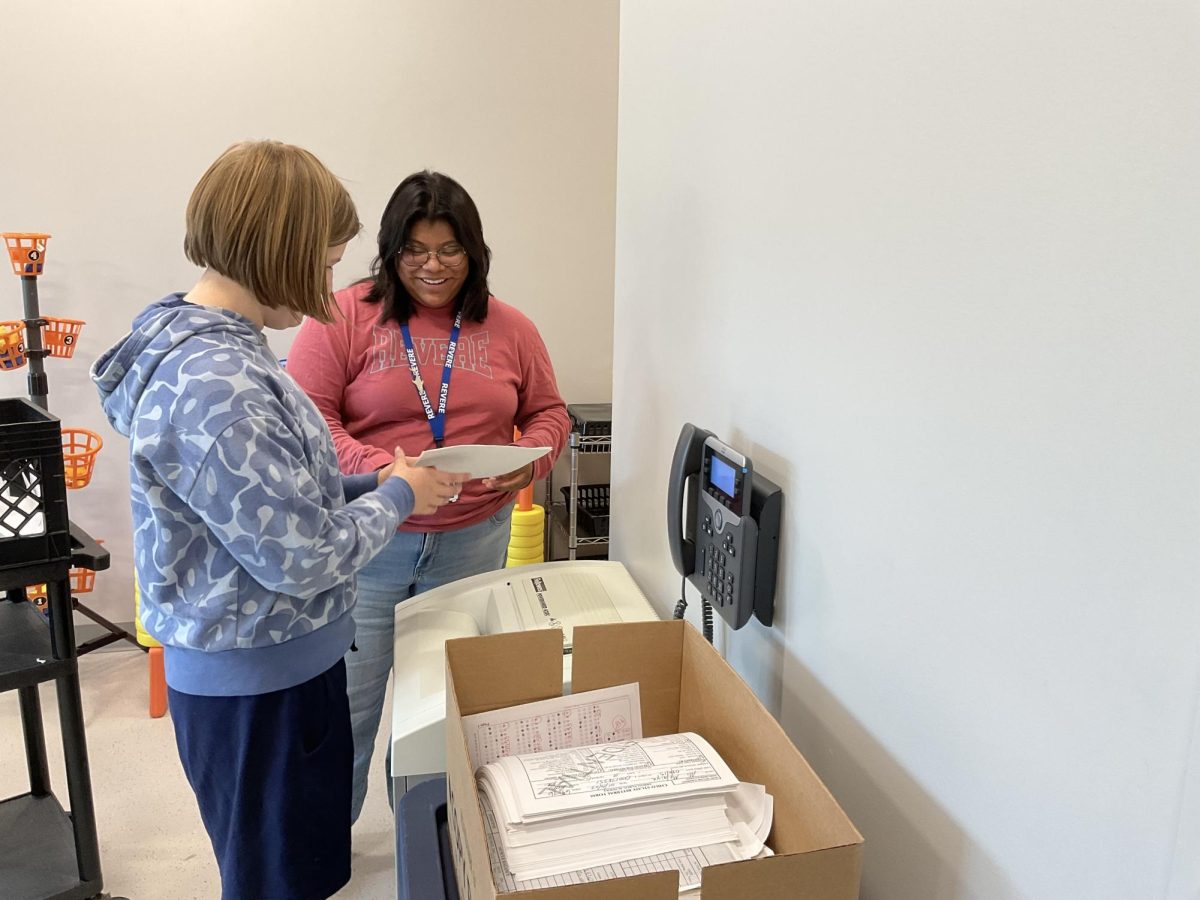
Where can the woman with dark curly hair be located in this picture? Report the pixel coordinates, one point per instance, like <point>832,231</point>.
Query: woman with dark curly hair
<point>423,356</point>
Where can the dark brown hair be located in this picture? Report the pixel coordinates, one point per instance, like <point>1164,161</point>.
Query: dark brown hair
<point>429,196</point>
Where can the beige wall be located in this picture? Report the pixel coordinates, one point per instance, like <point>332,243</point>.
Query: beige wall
<point>933,266</point>
<point>113,111</point>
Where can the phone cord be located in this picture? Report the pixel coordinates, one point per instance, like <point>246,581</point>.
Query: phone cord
<point>681,606</point>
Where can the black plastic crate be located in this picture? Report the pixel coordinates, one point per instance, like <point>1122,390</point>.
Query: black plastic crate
<point>34,529</point>
<point>591,512</point>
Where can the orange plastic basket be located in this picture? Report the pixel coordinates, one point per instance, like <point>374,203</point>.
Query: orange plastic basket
<point>61,335</point>
<point>12,345</point>
<point>80,447</point>
<point>83,581</point>
<point>26,252</point>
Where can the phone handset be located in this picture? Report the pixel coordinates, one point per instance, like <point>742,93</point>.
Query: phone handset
<point>681,524</point>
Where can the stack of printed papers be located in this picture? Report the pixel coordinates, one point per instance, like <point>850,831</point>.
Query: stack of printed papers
<point>602,805</point>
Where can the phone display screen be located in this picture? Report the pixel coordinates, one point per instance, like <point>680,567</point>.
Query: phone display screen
<point>721,475</point>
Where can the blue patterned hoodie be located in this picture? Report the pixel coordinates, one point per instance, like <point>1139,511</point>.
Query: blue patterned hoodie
<point>245,545</point>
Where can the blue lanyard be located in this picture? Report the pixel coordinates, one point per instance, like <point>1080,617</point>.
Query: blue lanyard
<point>437,421</point>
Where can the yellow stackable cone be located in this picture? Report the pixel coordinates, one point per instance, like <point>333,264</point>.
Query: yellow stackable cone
<point>531,554</point>
<point>143,636</point>
<point>526,543</point>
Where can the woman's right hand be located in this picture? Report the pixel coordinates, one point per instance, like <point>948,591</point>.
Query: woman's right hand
<point>432,488</point>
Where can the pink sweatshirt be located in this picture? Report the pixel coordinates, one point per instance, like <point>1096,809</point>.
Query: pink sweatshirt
<point>356,371</point>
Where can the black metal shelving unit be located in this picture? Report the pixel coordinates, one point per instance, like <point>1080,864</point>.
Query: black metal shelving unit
<point>48,851</point>
<point>590,434</point>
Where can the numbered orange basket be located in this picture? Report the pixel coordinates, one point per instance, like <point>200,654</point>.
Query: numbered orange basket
<point>83,581</point>
<point>26,252</point>
<point>61,335</point>
<point>80,447</point>
<point>12,345</point>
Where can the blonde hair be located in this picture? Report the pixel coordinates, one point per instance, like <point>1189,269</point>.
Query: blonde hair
<point>265,215</point>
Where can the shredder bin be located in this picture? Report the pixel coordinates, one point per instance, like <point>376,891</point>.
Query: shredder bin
<point>424,867</point>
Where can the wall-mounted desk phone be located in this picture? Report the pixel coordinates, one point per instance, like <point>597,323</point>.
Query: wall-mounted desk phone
<point>726,541</point>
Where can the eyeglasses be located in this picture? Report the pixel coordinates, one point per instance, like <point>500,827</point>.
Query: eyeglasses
<point>451,256</point>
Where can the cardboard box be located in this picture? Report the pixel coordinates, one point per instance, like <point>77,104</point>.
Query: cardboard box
<point>685,686</point>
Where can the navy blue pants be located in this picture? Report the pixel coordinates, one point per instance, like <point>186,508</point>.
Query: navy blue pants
<point>272,776</point>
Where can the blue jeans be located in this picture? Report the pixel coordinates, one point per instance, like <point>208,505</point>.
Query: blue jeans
<point>411,563</point>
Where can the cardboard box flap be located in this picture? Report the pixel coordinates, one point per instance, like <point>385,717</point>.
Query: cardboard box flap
<point>650,886</point>
<point>718,704</point>
<point>501,670</point>
<point>464,817</point>
<point>649,653</point>
<point>829,874</point>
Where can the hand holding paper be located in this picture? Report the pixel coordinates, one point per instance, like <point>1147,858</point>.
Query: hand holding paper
<point>512,481</point>
<point>431,487</point>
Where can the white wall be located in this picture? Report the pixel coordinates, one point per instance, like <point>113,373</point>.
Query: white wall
<point>114,110</point>
<point>934,268</point>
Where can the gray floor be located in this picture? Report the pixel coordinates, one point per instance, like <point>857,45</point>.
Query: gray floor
<point>152,844</point>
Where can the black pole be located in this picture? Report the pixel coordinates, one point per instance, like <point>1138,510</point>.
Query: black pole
<point>35,351</point>
<point>70,716</point>
<point>35,740</point>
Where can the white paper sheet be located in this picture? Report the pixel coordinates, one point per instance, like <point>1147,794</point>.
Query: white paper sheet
<point>481,460</point>
<point>576,720</point>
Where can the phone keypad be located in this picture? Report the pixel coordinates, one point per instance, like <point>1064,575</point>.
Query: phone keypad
<point>722,585</point>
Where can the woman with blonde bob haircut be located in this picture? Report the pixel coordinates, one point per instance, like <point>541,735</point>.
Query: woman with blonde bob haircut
<point>247,539</point>
<point>264,215</point>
